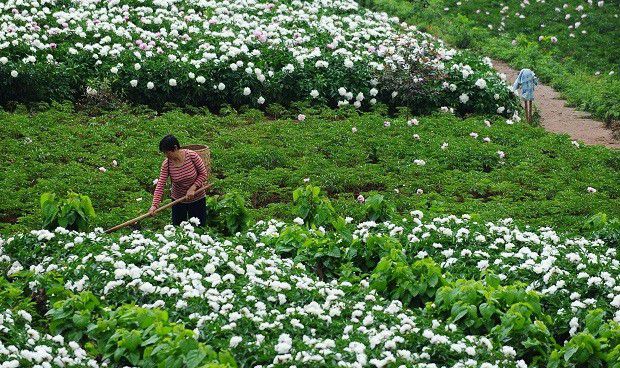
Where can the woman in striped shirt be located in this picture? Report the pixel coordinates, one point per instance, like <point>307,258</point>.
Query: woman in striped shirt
<point>187,173</point>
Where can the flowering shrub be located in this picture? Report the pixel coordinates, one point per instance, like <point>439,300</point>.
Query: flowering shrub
<point>21,345</point>
<point>236,293</point>
<point>214,53</point>
<point>132,335</point>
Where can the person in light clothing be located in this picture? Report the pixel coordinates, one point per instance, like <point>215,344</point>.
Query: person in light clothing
<point>527,82</point>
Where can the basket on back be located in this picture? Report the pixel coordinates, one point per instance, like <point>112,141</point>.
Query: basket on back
<point>204,153</point>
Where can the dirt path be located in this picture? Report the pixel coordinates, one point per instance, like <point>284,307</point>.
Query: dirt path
<point>558,118</point>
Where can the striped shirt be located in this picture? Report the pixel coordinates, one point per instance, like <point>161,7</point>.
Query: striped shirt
<point>191,172</point>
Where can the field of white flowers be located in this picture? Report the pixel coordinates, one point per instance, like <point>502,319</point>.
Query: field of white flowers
<point>498,296</point>
<point>322,290</point>
<point>238,52</point>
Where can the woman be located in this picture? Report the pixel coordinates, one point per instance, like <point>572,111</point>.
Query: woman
<point>526,81</point>
<point>187,173</point>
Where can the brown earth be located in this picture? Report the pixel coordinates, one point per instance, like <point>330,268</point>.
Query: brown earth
<point>556,117</point>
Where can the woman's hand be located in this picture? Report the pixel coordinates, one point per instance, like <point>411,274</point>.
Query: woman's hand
<point>191,192</point>
<point>152,211</point>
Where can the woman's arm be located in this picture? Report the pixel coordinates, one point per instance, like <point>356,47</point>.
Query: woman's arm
<point>161,181</point>
<point>517,82</point>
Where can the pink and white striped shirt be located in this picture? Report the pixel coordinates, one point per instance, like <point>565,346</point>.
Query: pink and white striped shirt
<point>191,172</point>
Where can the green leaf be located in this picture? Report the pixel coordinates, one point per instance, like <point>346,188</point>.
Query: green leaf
<point>570,351</point>
<point>493,280</point>
<point>194,358</point>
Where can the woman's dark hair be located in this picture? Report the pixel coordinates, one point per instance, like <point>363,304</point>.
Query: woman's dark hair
<point>169,143</point>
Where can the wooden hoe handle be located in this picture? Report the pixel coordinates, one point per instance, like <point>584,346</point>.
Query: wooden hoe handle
<point>133,221</point>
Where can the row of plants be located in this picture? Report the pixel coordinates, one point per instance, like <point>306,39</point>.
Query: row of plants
<point>78,331</point>
<point>439,163</point>
<point>267,310</point>
<point>469,275</point>
<point>230,52</point>
<point>534,35</point>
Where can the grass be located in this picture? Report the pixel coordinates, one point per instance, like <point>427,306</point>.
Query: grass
<point>542,180</point>
<point>569,66</point>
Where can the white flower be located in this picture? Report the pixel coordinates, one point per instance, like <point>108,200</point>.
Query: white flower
<point>361,199</point>
<point>314,93</point>
<point>591,190</point>
<point>234,341</point>
<point>133,82</point>
<point>150,85</point>
<point>481,83</point>
<point>463,98</point>
<point>172,82</point>
<point>103,169</point>
<point>301,117</point>
<point>4,60</point>
<point>284,345</point>
<point>298,221</point>
<point>247,91</point>
<point>14,73</point>
<point>412,122</point>
<point>221,86</point>
<point>200,79</point>
<point>387,124</point>
<point>260,100</point>
<point>354,129</point>
<point>137,66</point>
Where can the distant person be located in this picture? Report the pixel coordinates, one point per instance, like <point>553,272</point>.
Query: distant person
<point>187,173</point>
<point>527,82</point>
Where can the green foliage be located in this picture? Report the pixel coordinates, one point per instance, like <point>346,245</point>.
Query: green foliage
<point>132,335</point>
<point>377,208</point>
<point>509,313</point>
<point>12,296</point>
<point>312,207</point>
<point>323,252</point>
<point>75,212</point>
<point>413,284</point>
<point>72,316</point>
<point>542,181</point>
<point>598,345</point>
<point>228,213</point>
<point>604,228</point>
